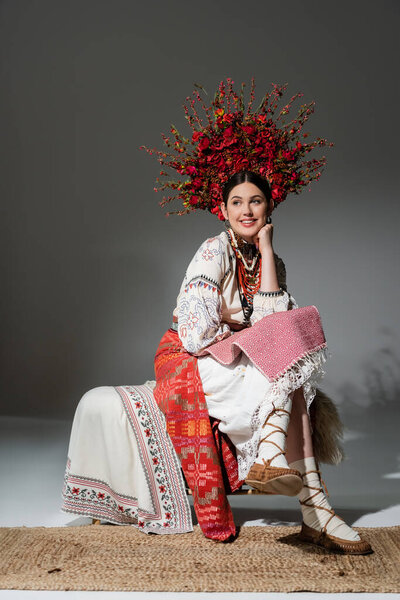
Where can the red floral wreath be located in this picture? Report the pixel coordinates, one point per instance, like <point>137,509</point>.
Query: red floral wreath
<point>233,139</point>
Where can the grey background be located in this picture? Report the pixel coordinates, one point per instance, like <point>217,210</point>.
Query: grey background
<point>90,265</point>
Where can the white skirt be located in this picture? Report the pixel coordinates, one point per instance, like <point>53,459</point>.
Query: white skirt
<point>241,397</point>
<point>121,466</point>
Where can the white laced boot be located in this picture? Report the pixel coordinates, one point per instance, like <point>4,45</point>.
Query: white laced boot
<point>317,512</point>
<point>275,432</point>
<point>270,472</point>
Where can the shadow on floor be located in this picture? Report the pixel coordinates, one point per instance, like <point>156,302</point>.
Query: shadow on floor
<point>288,517</point>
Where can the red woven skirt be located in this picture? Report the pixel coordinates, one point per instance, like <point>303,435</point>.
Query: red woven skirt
<point>207,456</point>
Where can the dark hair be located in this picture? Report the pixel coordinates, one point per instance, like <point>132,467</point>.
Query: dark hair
<point>243,176</point>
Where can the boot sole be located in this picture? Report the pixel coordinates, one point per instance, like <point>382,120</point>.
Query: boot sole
<point>334,544</point>
<point>283,485</point>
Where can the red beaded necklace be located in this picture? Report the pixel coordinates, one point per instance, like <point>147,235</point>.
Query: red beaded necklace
<point>248,269</point>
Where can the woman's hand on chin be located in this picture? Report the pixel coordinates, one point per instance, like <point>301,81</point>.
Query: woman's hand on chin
<point>263,239</point>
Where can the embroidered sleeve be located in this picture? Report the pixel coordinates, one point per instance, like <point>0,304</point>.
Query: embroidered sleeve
<point>265,303</point>
<point>199,302</point>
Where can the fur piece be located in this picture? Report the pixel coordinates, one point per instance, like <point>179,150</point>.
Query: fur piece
<point>327,430</point>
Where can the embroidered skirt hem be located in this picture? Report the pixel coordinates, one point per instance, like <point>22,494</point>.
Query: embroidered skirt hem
<point>122,467</point>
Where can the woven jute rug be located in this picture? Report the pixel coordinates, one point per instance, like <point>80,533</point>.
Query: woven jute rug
<point>261,559</point>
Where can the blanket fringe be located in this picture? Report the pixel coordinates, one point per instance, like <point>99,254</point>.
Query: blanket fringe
<point>305,372</point>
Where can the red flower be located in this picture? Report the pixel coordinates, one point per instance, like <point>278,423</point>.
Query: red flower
<point>101,495</point>
<point>162,488</point>
<point>197,183</point>
<point>138,404</point>
<point>219,163</point>
<point>168,515</point>
<point>194,200</point>
<point>217,211</point>
<point>204,143</point>
<point>229,137</point>
<point>228,118</point>
<point>166,524</point>
<point>120,508</point>
<point>190,170</point>
<point>196,136</point>
<point>147,432</point>
<point>141,523</point>
<point>241,164</point>
<point>249,129</point>
<point>228,133</point>
<point>75,490</point>
<point>298,146</point>
<point>155,460</point>
<point>275,192</point>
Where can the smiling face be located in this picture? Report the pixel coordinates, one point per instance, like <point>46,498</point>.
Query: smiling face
<point>246,209</point>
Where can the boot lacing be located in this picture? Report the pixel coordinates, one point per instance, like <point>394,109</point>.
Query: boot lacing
<point>318,490</point>
<point>276,429</point>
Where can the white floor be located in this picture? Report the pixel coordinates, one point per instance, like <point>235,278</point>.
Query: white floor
<point>364,490</point>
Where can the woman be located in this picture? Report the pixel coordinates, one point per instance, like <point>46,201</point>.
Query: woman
<point>215,300</point>
<point>236,374</point>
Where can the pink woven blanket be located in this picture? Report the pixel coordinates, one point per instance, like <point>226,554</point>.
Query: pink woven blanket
<point>276,342</point>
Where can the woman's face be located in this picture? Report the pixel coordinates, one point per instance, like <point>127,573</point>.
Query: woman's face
<point>246,209</point>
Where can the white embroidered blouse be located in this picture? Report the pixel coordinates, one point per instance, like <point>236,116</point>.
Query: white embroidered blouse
<point>209,303</point>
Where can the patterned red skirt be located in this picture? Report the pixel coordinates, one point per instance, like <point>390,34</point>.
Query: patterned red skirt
<point>207,456</point>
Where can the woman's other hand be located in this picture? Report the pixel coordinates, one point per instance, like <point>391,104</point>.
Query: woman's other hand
<point>263,239</point>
